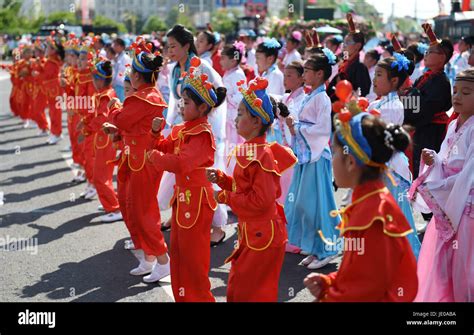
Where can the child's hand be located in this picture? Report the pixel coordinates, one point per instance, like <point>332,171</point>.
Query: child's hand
<point>211,175</point>
<point>112,102</point>
<point>290,122</point>
<point>427,156</point>
<point>109,128</point>
<point>313,282</point>
<point>156,124</point>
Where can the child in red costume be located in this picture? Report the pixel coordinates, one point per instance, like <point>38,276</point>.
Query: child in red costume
<point>187,152</point>
<point>84,93</point>
<point>384,269</point>
<point>50,79</point>
<point>252,194</point>
<point>103,146</point>
<point>140,181</point>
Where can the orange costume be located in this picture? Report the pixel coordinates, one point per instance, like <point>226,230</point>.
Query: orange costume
<point>138,182</point>
<point>104,151</point>
<point>83,94</point>
<point>73,116</point>
<point>252,194</point>
<point>49,77</point>
<point>16,93</point>
<point>187,151</point>
<point>25,89</point>
<point>384,270</point>
<point>39,97</point>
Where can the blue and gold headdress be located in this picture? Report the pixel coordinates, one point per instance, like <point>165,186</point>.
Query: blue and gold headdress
<point>197,82</point>
<point>99,72</point>
<point>141,48</point>
<point>257,100</point>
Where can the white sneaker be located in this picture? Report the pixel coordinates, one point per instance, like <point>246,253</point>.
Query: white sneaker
<point>91,194</point>
<point>159,272</point>
<point>100,208</point>
<point>317,264</point>
<point>143,269</point>
<point>304,253</point>
<point>83,193</point>
<point>54,139</point>
<point>111,217</point>
<point>43,132</point>
<point>26,124</point>
<point>79,178</point>
<point>128,245</point>
<point>308,259</point>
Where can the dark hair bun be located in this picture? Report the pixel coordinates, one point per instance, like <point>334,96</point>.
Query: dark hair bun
<point>152,62</point>
<point>279,108</point>
<point>384,140</point>
<point>400,139</point>
<point>107,67</point>
<point>221,94</point>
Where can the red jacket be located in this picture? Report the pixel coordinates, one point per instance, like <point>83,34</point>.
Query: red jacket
<point>253,191</point>
<point>134,120</point>
<point>384,270</point>
<point>49,76</point>
<point>187,152</point>
<point>93,121</point>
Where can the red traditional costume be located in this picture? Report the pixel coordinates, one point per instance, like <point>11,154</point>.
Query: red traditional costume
<point>138,182</point>
<point>104,151</point>
<point>252,194</point>
<point>39,96</point>
<point>49,76</point>
<point>385,269</point>
<point>187,151</point>
<point>84,92</point>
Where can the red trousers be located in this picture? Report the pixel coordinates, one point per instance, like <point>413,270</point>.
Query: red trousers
<point>76,148</point>
<point>38,111</point>
<point>55,116</point>
<point>254,275</point>
<point>103,177</point>
<point>139,207</point>
<point>190,257</point>
<point>89,156</point>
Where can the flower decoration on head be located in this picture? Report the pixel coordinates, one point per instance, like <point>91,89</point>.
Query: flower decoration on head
<point>271,43</point>
<point>422,48</point>
<point>350,111</point>
<point>257,100</point>
<point>51,41</point>
<point>401,62</point>
<point>330,56</point>
<point>141,48</point>
<point>240,46</point>
<point>197,82</point>
<point>297,35</point>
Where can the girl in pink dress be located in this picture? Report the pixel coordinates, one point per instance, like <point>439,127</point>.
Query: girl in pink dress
<point>446,188</point>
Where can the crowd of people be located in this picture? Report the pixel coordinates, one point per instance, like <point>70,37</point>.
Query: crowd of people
<point>270,130</point>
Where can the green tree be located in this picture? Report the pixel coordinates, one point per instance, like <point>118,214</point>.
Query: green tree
<point>224,21</point>
<point>153,23</point>
<point>176,17</point>
<point>102,21</point>
<point>66,17</point>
